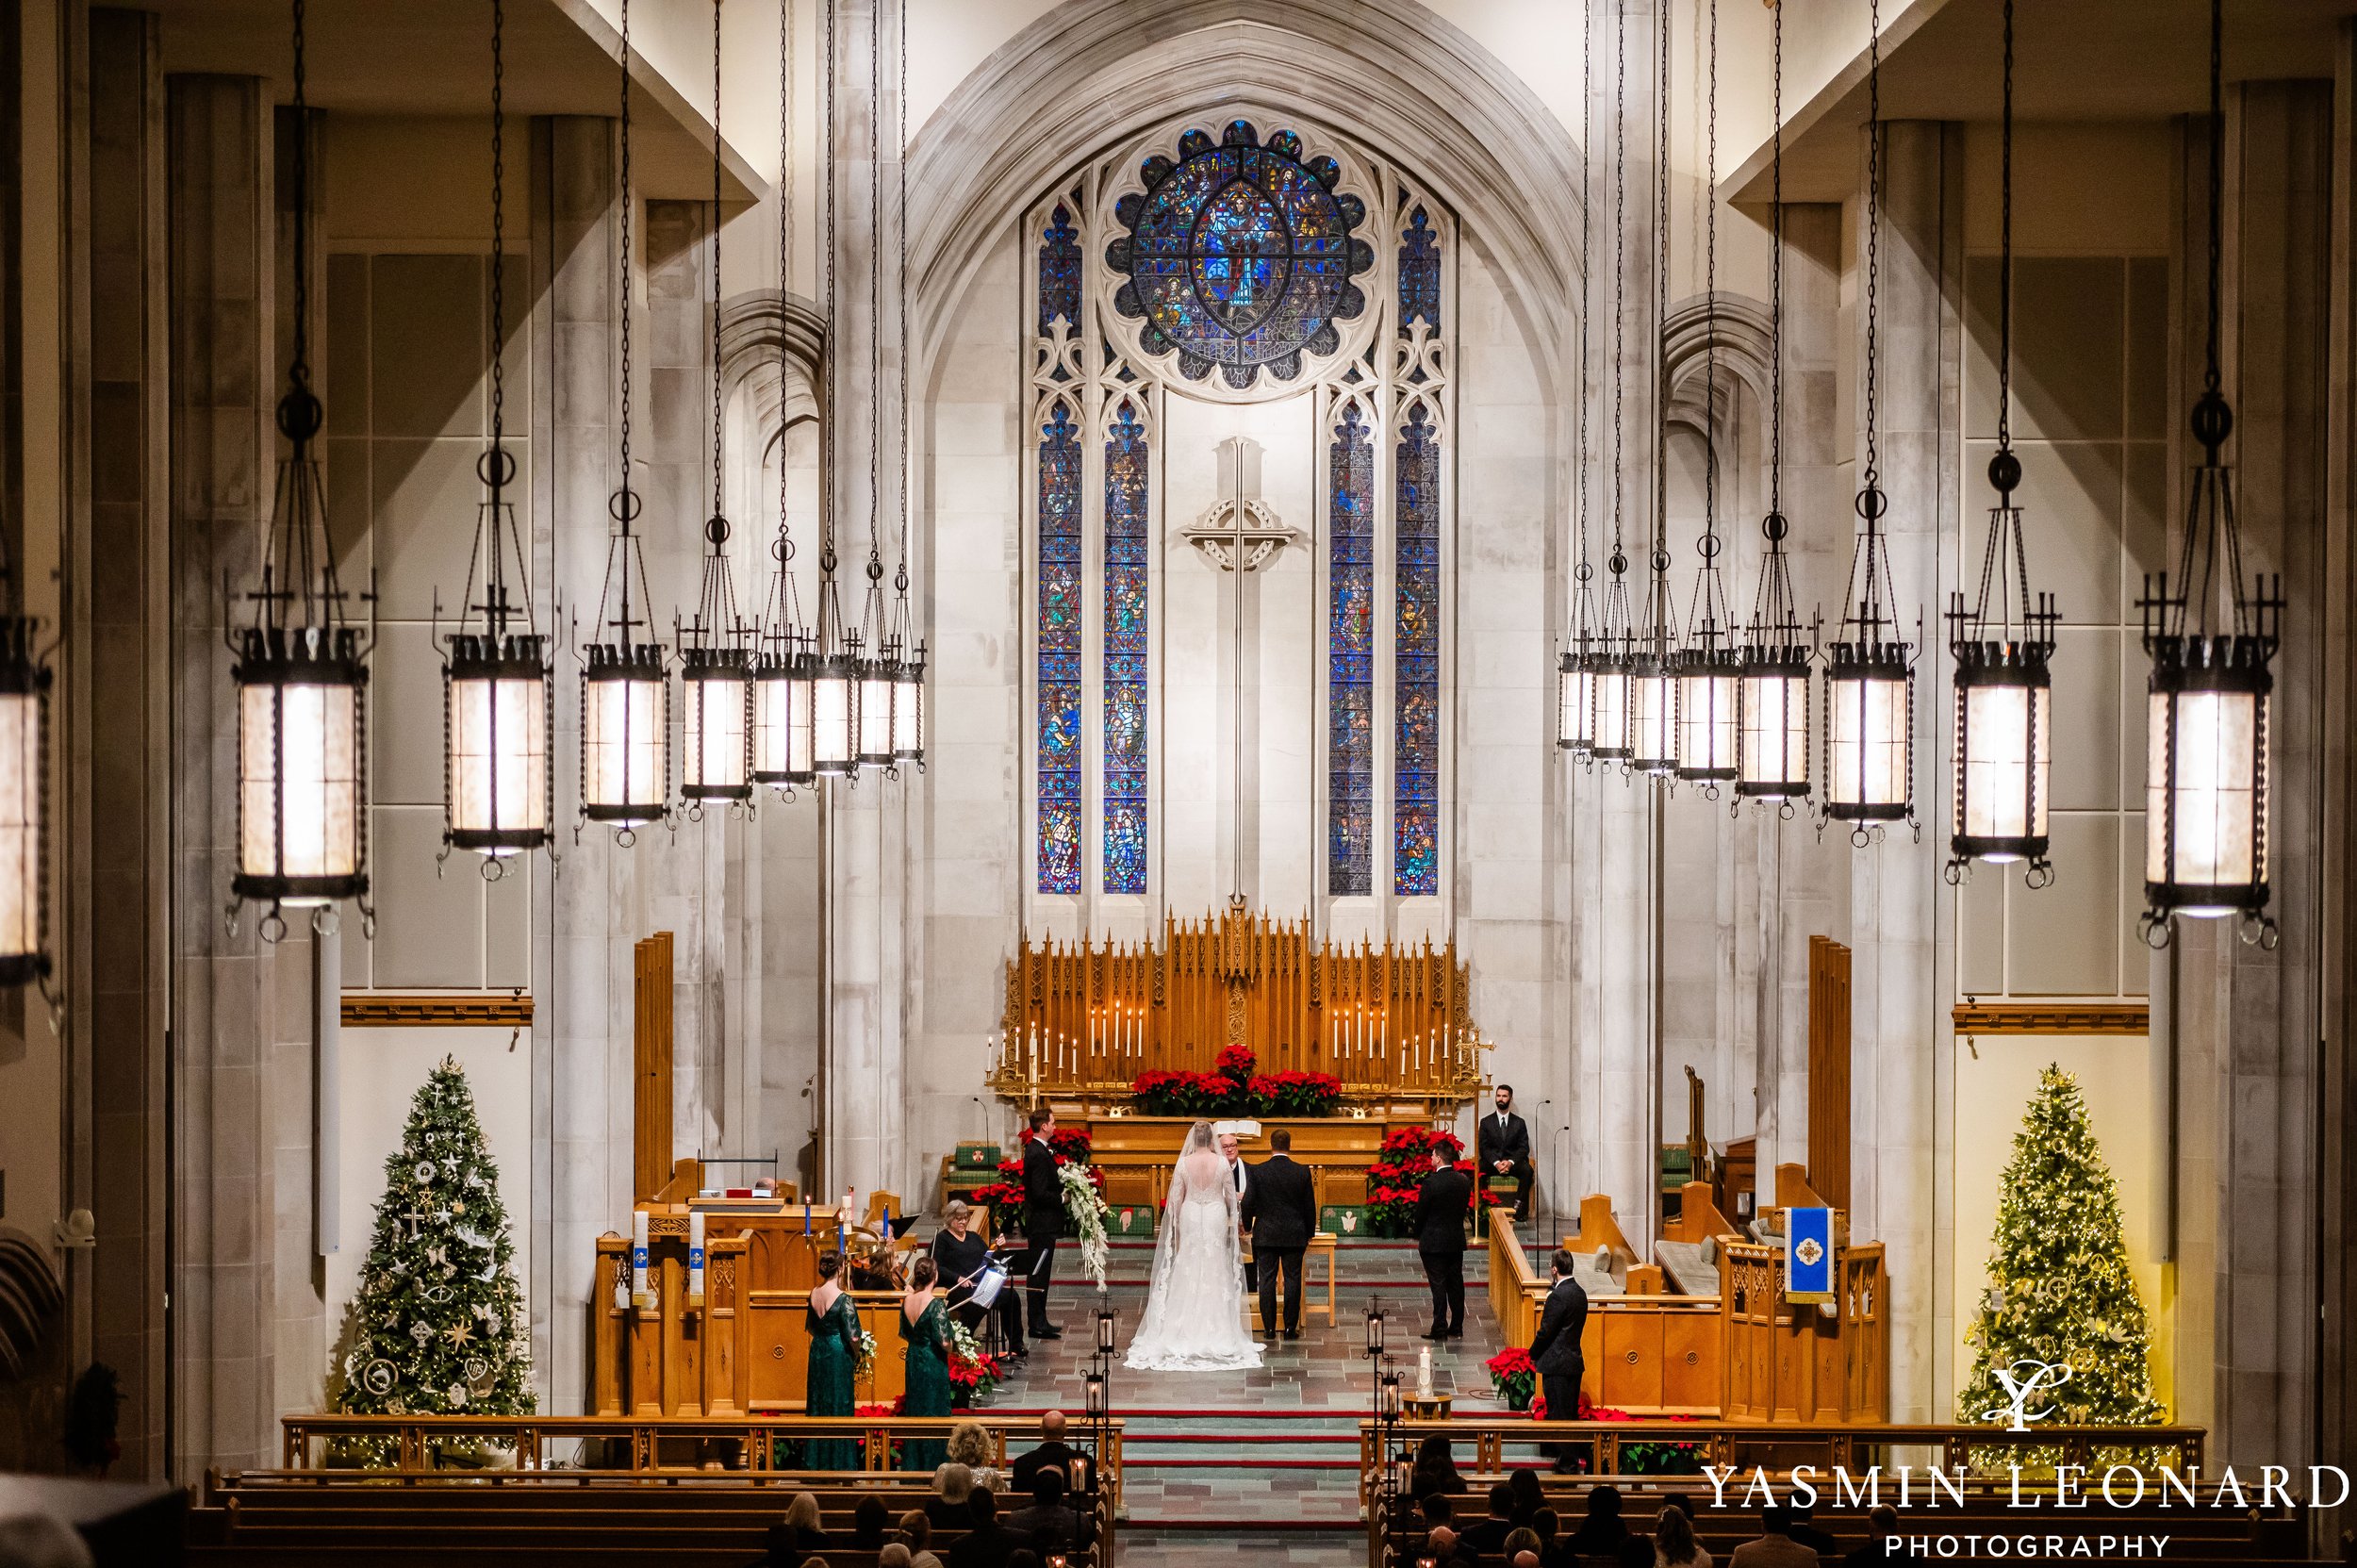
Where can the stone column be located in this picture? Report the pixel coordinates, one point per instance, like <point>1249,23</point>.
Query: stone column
<point>1803,882</point>
<point>219,174</point>
<point>581,953</point>
<point>1898,921</point>
<point>113,933</point>
<point>1614,934</point>
<point>864,1139</point>
<point>2246,1016</point>
<point>2335,1191</point>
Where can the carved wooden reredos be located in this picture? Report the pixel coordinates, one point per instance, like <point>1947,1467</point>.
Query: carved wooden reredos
<point>1082,1021</point>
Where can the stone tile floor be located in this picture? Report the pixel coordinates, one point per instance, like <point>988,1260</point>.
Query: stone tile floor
<point>1267,1460</point>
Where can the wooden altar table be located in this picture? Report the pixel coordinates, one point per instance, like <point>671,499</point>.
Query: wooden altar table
<point>1138,1152</point>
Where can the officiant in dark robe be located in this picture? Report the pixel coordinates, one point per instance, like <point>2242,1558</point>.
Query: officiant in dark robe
<point>1501,1148</point>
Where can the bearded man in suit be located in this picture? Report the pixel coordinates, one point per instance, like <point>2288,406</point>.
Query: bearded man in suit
<point>1501,1148</point>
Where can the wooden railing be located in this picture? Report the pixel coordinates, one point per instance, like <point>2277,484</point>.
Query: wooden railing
<point>1776,1447</point>
<point>417,1449</point>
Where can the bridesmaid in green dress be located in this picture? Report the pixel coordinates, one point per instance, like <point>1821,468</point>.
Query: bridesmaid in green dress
<point>833,1320</point>
<point>925,1325</point>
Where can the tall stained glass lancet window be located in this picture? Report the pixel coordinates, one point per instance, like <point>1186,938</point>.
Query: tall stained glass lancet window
<point>1059,633</point>
<point>1419,273</point>
<point>1350,659</point>
<point>1059,273</point>
<point>1126,542</point>
<point>1416,661</point>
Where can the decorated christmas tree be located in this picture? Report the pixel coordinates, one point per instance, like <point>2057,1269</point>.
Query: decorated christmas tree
<point>438,1327</point>
<point>2060,1292</point>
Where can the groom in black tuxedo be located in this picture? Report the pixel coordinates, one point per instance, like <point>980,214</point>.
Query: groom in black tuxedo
<point>1280,1213</point>
<point>1501,1148</point>
<point>1043,1221</point>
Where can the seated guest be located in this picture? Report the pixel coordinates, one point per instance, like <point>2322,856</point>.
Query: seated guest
<point>1053,1450</point>
<point>971,1445</point>
<point>917,1534</point>
<point>1805,1533</point>
<point>1524,1559</point>
<point>1435,1510</point>
<point>1518,1539</point>
<point>868,1522</point>
<point>987,1543</point>
<point>1882,1523</point>
<point>1486,1538</point>
<point>797,1534</point>
<point>1050,1524</point>
<point>1436,1469</point>
<point>1603,1530</point>
<point>1776,1547</point>
<point>1674,1542</point>
<point>950,1506</point>
<point>894,1555</point>
<point>1530,1497</point>
<point>1440,1543</point>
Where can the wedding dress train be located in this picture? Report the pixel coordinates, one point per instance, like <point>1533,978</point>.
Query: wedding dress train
<point>1193,1318</point>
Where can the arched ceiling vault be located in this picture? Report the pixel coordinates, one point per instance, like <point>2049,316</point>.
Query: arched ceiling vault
<point>1388,72</point>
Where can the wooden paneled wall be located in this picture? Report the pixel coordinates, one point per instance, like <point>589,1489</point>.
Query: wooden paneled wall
<point>1829,1069</point>
<point>650,1066</point>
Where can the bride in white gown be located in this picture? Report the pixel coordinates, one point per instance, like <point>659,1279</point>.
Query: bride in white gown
<point>1195,1312</point>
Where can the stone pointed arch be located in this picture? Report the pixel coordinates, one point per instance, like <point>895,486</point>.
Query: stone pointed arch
<point>1389,73</point>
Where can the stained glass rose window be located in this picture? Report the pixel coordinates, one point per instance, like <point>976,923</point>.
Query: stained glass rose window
<point>1239,256</point>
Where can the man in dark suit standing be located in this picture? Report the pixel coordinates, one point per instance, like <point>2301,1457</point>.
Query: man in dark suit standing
<point>1555,1348</point>
<point>1441,1203</point>
<point>1281,1213</point>
<point>1043,1221</point>
<point>1501,1148</point>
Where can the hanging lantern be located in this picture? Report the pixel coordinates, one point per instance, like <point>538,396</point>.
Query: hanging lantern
<point>1613,671</point>
<point>495,702</point>
<point>908,709</point>
<point>1707,716</point>
<point>625,684</point>
<point>716,686</point>
<point>23,798</point>
<point>1574,704</point>
<point>2209,702</point>
<point>625,721</point>
<point>1772,685</point>
<point>1870,695</point>
<point>782,676</point>
<point>1653,712</point>
<point>1869,671</point>
<point>2211,638</point>
<point>2005,695</point>
<point>834,666</point>
<point>302,668</point>
<point>497,790</point>
<point>878,675</point>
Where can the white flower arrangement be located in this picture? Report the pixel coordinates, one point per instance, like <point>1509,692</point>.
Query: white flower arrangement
<point>866,1362</point>
<point>1087,1211</point>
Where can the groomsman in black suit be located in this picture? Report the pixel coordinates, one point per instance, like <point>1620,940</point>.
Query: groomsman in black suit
<point>1439,1222</point>
<point>1501,1148</point>
<point>1280,1213</point>
<point>1043,1221</point>
<point>1555,1348</point>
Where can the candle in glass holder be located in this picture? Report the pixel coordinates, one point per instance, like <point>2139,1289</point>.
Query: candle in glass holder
<point>1424,1372</point>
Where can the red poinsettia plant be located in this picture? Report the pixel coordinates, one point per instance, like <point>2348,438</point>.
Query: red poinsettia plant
<point>1237,1087</point>
<point>1004,1197</point>
<point>1405,1159</point>
<point>1513,1377</point>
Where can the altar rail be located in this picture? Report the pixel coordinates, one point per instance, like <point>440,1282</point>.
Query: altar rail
<point>1084,1020</point>
<point>594,1447</point>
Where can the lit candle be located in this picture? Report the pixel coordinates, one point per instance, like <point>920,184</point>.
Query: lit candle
<point>1424,1372</point>
<point>695,1260</point>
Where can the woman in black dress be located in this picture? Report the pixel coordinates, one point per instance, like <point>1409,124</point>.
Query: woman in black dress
<point>960,1255</point>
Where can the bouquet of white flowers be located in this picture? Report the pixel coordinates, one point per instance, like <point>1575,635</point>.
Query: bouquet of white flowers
<point>1087,1211</point>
